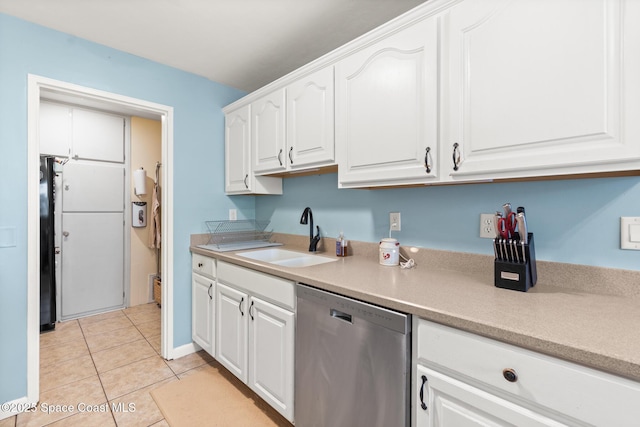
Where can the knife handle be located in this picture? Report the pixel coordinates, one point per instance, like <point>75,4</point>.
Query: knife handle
<point>522,227</point>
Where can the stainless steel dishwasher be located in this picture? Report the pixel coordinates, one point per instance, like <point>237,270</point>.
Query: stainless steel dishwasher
<point>352,362</point>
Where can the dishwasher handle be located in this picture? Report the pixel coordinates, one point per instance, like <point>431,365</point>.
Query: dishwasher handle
<point>341,315</point>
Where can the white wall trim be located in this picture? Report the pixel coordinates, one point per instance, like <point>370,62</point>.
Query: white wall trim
<point>15,407</point>
<point>36,87</point>
<point>185,350</point>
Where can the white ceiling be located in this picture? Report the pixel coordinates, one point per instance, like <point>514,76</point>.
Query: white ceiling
<point>240,43</point>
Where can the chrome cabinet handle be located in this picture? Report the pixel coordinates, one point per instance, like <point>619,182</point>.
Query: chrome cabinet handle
<point>280,157</point>
<point>428,159</point>
<point>240,306</point>
<point>245,181</point>
<point>209,290</point>
<point>290,153</point>
<point>510,375</point>
<point>456,156</point>
<point>250,310</point>
<point>422,404</point>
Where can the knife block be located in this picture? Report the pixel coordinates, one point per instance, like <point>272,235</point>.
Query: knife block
<point>517,276</point>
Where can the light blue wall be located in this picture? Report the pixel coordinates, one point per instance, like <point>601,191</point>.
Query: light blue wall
<point>573,221</point>
<point>198,161</point>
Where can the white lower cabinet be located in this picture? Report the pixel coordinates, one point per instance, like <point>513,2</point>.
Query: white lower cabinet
<point>231,337</point>
<point>255,332</point>
<point>462,379</point>
<point>203,292</point>
<point>449,402</point>
<point>271,335</point>
<point>202,312</point>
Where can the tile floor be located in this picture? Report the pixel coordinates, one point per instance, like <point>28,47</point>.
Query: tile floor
<point>102,362</point>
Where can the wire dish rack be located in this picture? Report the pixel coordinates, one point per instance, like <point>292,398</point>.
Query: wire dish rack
<point>235,235</point>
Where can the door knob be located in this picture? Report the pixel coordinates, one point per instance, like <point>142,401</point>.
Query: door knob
<point>65,233</point>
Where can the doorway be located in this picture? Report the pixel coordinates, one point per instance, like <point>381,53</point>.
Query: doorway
<point>44,88</point>
<point>92,150</point>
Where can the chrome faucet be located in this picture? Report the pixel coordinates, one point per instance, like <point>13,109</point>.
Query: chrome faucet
<point>307,217</point>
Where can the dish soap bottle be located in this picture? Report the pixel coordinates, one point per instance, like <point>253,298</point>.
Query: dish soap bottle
<point>341,245</point>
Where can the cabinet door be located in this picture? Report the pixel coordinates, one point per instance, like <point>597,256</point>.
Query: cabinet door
<point>268,132</point>
<point>310,124</point>
<point>93,187</point>
<point>202,311</point>
<point>237,144</point>
<point>98,136</point>
<point>231,330</point>
<point>271,349</point>
<point>538,88</point>
<point>443,401</point>
<point>55,129</point>
<point>386,110</point>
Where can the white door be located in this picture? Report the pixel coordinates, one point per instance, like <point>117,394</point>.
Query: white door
<point>92,226</point>
<point>310,117</point>
<point>202,312</point>
<point>92,263</point>
<point>93,187</point>
<point>271,350</point>
<point>268,139</point>
<point>449,402</point>
<point>231,330</point>
<point>537,87</point>
<point>386,109</point>
<point>92,238</point>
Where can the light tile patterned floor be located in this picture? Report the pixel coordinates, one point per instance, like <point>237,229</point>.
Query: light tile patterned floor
<point>105,366</point>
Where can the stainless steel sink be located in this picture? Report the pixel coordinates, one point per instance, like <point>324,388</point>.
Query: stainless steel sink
<point>286,258</point>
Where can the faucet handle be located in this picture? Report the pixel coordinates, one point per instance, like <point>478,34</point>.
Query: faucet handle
<point>313,245</point>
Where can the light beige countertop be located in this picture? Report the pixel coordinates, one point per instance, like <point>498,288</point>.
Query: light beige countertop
<point>587,315</point>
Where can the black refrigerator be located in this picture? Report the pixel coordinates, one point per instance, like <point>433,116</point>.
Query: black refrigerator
<point>47,245</point>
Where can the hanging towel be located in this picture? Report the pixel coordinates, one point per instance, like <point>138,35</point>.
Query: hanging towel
<point>154,230</point>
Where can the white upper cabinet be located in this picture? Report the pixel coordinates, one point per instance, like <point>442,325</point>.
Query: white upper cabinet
<point>292,128</point>
<point>237,144</point>
<point>55,129</point>
<point>268,132</point>
<point>310,121</point>
<point>67,131</point>
<point>386,109</point>
<point>540,88</point>
<point>462,91</point>
<point>98,136</point>
<point>239,176</point>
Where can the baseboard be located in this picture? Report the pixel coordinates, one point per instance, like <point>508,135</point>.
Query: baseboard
<point>15,407</point>
<point>184,350</point>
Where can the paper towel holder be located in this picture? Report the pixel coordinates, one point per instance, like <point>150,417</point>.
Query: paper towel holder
<point>140,182</point>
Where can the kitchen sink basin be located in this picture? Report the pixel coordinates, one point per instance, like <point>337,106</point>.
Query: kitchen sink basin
<point>304,261</point>
<point>286,258</point>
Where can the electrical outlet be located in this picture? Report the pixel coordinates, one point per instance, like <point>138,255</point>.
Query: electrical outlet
<point>394,221</point>
<point>487,229</point>
<point>233,214</point>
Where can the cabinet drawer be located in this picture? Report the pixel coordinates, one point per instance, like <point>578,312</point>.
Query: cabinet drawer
<point>565,388</point>
<point>270,288</point>
<point>203,265</point>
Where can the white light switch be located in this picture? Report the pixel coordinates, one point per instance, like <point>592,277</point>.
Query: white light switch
<point>630,233</point>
